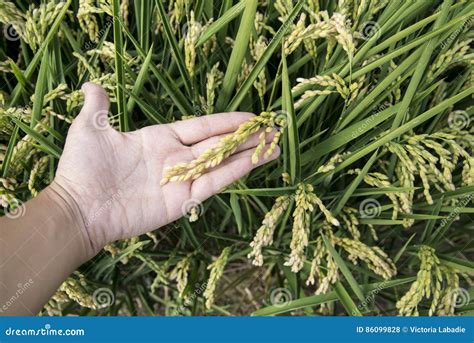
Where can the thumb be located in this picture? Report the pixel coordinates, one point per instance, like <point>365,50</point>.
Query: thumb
<point>96,107</point>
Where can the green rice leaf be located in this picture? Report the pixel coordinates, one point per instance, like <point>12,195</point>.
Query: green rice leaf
<point>245,87</point>
<point>222,22</point>
<point>238,53</point>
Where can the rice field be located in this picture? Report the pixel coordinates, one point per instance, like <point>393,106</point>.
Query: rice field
<point>369,208</point>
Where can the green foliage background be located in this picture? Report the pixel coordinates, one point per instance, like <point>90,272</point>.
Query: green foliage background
<point>406,82</point>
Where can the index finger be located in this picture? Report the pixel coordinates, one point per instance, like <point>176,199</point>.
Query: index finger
<point>192,131</point>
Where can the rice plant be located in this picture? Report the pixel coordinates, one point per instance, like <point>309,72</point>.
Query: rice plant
<point>368,211</point>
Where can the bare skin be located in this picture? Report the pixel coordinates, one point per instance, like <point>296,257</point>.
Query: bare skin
<point>107,187</point>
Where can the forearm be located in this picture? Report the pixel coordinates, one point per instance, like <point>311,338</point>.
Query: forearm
<point>39,250</point>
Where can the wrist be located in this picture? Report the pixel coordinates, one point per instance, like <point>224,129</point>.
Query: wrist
<point>70,214</point>
<point>41,246</point>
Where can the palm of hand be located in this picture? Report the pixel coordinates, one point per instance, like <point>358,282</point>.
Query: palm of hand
<point>115,177</point>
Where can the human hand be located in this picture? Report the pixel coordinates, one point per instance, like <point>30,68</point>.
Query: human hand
<point>114,178</point>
